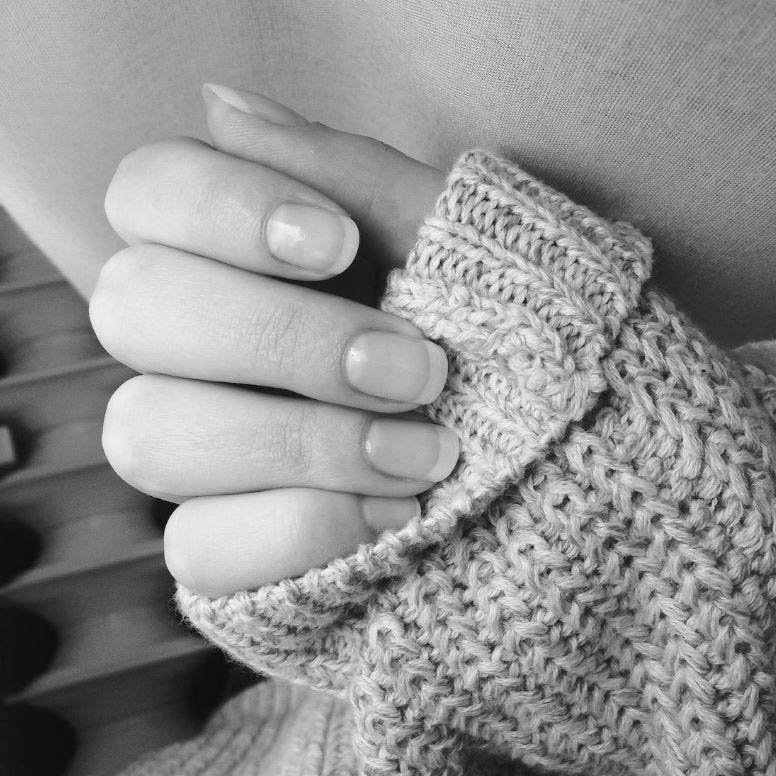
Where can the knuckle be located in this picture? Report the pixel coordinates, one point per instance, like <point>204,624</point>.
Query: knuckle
<point>118,438</point>
<point>292,440</point>
<point>114,195</point>
<point>105,301</point>
<point>126,440</point>
<point>122,268</point>
<point>130,174</point>
<point>152,157</point>
<point>273,337</point>
<point>137,173</point>
<point>117,281</point>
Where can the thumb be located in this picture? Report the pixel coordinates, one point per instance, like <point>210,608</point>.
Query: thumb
<point>385,192</point>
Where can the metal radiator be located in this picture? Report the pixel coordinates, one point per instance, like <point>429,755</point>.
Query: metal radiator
<point>120,665</point>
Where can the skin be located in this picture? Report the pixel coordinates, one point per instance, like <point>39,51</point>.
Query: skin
<point>269,484</point>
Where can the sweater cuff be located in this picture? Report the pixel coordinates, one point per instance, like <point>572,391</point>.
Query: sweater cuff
<point>526,291</point>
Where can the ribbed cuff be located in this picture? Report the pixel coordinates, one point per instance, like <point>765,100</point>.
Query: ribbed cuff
<point>269,729</point>
<point>526,291</point>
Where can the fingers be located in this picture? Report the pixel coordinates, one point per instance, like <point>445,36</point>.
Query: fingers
<point>188,438</point>
<point>184,194</point>
<point>221,544</point>
<point>158,309</point>
<point>314,477</point>
<point>385,192</point>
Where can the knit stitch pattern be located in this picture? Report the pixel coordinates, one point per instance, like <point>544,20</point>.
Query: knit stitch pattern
<point>278,729</point>
<point>592,590</point>
<point>271,729</point>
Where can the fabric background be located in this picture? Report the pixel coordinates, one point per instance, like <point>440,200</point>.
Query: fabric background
<point>662,114</point>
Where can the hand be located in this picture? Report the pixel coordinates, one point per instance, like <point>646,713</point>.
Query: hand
<point>269,485</point>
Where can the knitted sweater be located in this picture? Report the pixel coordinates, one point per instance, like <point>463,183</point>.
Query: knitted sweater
<point>592,590</point>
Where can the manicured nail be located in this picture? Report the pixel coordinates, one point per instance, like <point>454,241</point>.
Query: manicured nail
<point>312,237</point>
<point>405,448</point>
<point>394,366</point>
<point>256,105</point>
<point>389,514</point>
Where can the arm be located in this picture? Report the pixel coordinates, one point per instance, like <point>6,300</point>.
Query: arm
<point>592,588</point>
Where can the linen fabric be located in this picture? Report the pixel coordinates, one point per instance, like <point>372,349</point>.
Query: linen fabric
<point>659,113</point>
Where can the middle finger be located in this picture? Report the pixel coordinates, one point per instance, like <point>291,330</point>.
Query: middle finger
<point>159,309</point>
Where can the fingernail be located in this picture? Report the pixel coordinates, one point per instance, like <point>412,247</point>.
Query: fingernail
<point>394,366</point>
<point>255,104</point>
<point>389,514</point>
<point>417,451</point>
<point>312,237</point>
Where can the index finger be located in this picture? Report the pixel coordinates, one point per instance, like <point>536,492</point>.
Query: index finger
<point>185,194</point>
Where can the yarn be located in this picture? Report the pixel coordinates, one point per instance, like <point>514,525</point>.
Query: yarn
<point>277,728</point>
<point>592,590</point>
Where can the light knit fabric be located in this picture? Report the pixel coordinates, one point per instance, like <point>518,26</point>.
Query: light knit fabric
<point>760,354</point>
<point>272,729</point>
<point>278,729</point>
<point>592,590</point>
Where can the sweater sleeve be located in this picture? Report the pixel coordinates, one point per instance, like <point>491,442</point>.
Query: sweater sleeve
<point>593,587</point>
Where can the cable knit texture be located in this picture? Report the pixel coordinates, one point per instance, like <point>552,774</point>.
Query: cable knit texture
<point>592,589</point>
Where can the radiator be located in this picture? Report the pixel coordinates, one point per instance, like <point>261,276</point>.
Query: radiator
<point>121,666</point>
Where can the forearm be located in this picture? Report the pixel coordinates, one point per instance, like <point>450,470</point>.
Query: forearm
<point>606,535</point>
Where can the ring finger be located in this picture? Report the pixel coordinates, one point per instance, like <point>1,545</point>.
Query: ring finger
<point>183,438</point>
